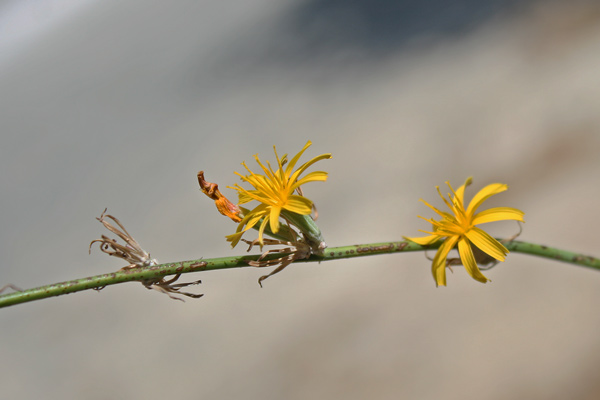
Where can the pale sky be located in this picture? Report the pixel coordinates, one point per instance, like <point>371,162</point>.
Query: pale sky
<point>21,21</point>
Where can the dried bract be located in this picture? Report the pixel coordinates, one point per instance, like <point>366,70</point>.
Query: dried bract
<point>296,250</point>
<point>167,287</point>
<point>10,286</point>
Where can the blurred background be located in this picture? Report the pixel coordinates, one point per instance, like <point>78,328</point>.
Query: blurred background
<point>119,104</point>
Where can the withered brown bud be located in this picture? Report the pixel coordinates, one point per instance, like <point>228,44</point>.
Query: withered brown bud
<point>225,207</point>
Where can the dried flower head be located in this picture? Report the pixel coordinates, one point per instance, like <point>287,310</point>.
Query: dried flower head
<point>137,257</point>
<point>131,252</point>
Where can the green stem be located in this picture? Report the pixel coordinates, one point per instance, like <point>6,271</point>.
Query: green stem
<point>332,253</point>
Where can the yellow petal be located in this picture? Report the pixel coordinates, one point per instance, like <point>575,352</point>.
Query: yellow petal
<point>448,227</point>
<point>263,225</point>
<point>438,268</point>
<point>280,161</point>
<point>440,213</point>
<point>448,204</point>
<point>487,244</point>
<point>423,241</point>
<point>234,238</point>
<point>498,214</point>
<point>261,183</point>
<point>294,160</point>
<point>307,164</point>
<point>250,219</point>
<point>263,189</point>
<point>468,260</point>
<point>274,219</point>
<point>312,177</point>
<point>268,171</point>
<point>460,192</point>
<point>484,194</point>
<point>298,204</point>
<point>244,196</point>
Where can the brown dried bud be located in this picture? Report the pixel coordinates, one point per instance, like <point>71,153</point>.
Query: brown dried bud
<point>225,207</point>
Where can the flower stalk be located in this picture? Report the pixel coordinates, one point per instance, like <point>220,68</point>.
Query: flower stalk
<point>157,272</point>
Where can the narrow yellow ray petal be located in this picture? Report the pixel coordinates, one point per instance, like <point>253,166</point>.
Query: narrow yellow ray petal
<point>253,217</point>
<point>307,164</point>
<point>261,230</point>
<point>438,267</point>
<point>468,260</point>
<point>440,213</point>
<point>245,196</point>
<point>423,241</point>
<point>274,219</point>
<point>440,233</point>
<point>487,244</point>
<point>315,176</point>
<point>484,194</point>
<point>280,162</point>
<point>298,204</point>
<point>268,171</point>
<point>260,182</point>
<point>498,214</point>
<point>448,204</point>
<point>294,160</point>
<point>249,220</point>
<point>460,192</point>
<point>451,227</point>
<point>234,238</point>
<point>275,179</point>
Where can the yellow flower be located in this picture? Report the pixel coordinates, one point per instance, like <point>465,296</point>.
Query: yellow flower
<point>459,228</point>
<point>275,192</point>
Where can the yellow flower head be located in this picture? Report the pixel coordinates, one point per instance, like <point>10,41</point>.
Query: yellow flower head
<point>459,228</point>
<point>274,190</point>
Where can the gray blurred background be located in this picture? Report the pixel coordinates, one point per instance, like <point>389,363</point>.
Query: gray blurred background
<point>119,104</point>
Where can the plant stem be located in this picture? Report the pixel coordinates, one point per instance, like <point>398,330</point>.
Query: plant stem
<point>332,253</point>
